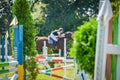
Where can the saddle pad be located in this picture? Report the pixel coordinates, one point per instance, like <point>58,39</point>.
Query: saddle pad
<point>50,41</point>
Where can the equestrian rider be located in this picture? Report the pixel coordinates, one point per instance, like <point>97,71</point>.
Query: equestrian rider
<point>56,34</point>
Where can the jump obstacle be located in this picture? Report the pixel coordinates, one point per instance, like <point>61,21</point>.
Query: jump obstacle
<point>44,58</point>
<point>17,63</point>
<point>52,59</point>
<point>104,45</point>
<point>47,72</point>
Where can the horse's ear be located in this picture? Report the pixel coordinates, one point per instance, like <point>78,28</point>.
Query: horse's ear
<point>69,32</point>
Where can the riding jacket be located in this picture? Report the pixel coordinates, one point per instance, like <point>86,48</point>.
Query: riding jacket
<point>54,35</point>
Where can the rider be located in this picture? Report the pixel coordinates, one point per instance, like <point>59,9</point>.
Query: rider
<point>56,34</point>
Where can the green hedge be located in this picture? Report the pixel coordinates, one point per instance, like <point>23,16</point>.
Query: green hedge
<point>83,47</point>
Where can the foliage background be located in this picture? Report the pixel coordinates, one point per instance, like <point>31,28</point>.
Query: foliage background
<point>5,15</point>
<point>84,44</point>
<point>63,13</point>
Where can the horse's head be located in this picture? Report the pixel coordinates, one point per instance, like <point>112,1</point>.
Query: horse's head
<point>68,35</point>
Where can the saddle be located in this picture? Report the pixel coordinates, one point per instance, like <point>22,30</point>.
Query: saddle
<point>51,41</point>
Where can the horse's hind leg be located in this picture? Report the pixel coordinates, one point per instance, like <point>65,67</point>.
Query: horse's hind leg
<point>39,51</point>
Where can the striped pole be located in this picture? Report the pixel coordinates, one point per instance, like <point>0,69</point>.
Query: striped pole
<point>52,59</point>
<point>57,76</point>
<point>20,56</point>
<point>12,63</point>
<point>14,77</point>
<point>57,68</point>
<point>18,49</point>
<point>8,70</point>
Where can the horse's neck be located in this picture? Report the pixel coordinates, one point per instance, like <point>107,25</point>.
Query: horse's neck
<point>61,39</point>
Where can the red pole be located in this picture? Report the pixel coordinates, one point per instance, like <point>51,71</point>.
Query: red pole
<point>54,75</point>
<point>58,68</point>
<point>57,60</point>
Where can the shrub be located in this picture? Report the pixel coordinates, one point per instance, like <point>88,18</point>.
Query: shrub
<point>83,47</point>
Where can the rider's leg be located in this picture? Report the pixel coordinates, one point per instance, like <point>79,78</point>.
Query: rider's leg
<point>55,39</point>
<point>55,45</point>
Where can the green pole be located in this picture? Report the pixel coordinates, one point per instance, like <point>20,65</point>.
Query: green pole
<point>4,71</point>
<point>3,64</point>
<point>115,41</point>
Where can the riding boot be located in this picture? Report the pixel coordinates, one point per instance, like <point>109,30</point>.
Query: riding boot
<point>55,45</point>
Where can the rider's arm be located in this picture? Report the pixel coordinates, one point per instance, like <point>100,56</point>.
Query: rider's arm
<point>60,35</point>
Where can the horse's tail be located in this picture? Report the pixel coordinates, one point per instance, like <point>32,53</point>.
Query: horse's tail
<point>36,38</point>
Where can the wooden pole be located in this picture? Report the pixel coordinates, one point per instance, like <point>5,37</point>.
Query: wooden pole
<point>109,57</point>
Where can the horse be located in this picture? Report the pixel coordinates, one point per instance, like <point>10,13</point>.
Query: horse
<point>59,45</point>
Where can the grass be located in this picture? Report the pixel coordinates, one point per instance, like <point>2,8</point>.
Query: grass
<point>69,74</point>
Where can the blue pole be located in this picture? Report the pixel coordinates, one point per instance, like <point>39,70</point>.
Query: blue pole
<point>3,49</point>
<point>16,41</point>
<point>20,47</point>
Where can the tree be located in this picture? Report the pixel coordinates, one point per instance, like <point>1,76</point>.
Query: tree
<point>84,44</point>
<point>21,9</point>
<point>66,13</point>
<point>5,15</point>
<point>115,6</point>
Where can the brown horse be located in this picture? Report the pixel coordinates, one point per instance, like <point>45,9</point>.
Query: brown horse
<point>60,44</point>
